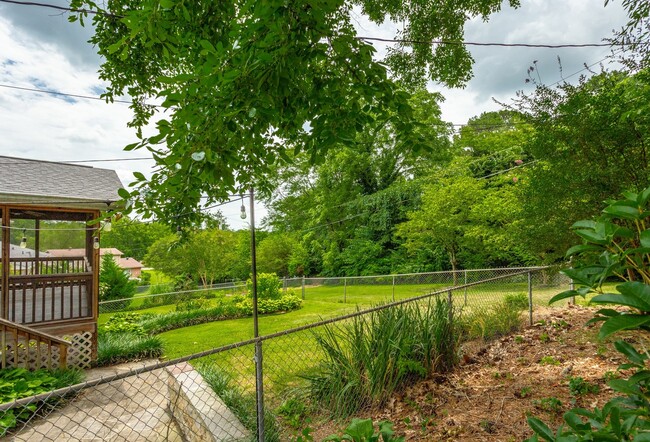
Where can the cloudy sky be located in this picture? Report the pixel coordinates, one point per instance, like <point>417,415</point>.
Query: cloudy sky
<point>40,49</point>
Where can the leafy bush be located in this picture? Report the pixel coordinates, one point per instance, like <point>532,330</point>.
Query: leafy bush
<point>370,357</point>
<point>286,303</point>
<point>192,304</point>
<point>579,387</point>
<point>113,348</point>
<point>123,323</point>
<point>517,302</point>
<point>17,383</point>
<point>115,284</point>
<point>615,245</point>
<point>268,286</point>
<point>173,320</point>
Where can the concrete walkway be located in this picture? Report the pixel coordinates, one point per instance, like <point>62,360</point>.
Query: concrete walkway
<point>130,409</point>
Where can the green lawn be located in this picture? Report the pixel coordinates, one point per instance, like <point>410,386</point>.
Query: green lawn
<point>327,302</point>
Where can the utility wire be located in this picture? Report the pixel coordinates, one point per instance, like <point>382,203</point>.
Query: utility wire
<point>64,94</point>
<point>70,162</point>
<point>384,40</point>
<point>491,44</point>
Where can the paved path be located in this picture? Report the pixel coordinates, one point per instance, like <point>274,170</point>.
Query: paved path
<point>131,409</point>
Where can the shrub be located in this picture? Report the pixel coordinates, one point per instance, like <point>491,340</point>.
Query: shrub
<point>115,284</point>
<point>268,286</point>
<point>113,348</point>
<point>615,245</point>
<point>286,303</point>
<point>17,383</point>
<point>192,304</point>
<point>370,357</point>
<point>123,323</point>
<point>173,320</point>
<point>517,302</point>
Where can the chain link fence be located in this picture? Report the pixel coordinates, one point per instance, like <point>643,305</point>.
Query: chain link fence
<point>252,390</point>
<point>163,295</point>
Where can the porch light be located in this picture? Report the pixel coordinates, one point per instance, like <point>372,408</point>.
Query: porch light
<point>242,213</point>
<point>108,226</point>
<point>96,243</point>
<point>23,241</point>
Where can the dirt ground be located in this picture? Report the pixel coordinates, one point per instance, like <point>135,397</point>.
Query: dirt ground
<point>498,383</point>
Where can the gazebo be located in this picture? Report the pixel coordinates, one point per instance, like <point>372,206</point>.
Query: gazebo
<point>48,305</point>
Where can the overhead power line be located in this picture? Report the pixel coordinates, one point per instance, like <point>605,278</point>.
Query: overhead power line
<point>364,38</point>
<point>492,44</point>
<point>65,94</point>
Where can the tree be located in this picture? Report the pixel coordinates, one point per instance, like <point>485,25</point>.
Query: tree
<point>344,211</point>
<point>245,84</point>
<point>444,216</point>
<point>133,238</point>
<point>204,255</point>
<point>114,283</point>
<point>590,141</point>
<point>274,254</point>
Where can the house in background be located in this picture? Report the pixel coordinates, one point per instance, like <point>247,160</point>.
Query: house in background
<point>129,265</point>
<point>49,305</point>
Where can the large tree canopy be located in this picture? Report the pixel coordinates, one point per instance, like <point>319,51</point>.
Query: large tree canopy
<point>243,81</point>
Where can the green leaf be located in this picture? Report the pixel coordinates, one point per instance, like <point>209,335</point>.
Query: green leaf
<point>360,429</point>
<point>635,289</point>
<point>645,238</point>
<point>623,211</point>
<point>642,437</point>
<point>623,386</point>
<point>123,193</point>
<point>592,236</point>
<point>584,224</point>
<point>622,322</point>
<point>540,428</point>
<point>643,197</point>
<point>575,422</point>
<point>581,248</point>
<point>564,295</point>
<point>630,352</point>
<point>621,299</point>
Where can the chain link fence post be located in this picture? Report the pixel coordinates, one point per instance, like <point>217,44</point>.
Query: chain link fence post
<point>393,287</point>
<point>345,290</point>
<point>465,287</point>
<point>303,287</point>
<point>530,297</point>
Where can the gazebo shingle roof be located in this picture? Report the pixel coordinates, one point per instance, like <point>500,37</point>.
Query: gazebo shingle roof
<point>47,179</point>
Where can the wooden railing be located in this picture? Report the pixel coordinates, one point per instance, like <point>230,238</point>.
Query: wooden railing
<point>25,347</point>
<point>34,299</point>
<point>48,265</point>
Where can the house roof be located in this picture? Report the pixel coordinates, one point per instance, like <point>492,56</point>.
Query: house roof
<point>18,252</point>
<point>129,263</point>
<point>75,253</point>
<point>29,181</point>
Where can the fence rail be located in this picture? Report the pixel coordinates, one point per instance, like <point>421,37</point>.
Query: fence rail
<point>216,389</point>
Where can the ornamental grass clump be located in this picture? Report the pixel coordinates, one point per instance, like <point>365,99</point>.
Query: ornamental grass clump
<point>370,357</point>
